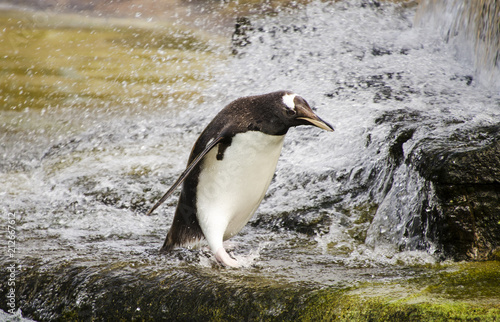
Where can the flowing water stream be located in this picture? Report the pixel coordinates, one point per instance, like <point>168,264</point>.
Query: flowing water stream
<point>98,118</point>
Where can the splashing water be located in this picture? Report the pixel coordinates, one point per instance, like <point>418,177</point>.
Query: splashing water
<point>338,201</point>
<point>383,84</point>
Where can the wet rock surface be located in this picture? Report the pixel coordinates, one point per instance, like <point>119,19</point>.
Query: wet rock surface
<point>464,171</point>
<point>459,207</point>
<point>120,291</point>
<point>144,290</point>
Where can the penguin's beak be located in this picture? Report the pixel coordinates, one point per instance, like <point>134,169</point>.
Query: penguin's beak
<point>310,117</point>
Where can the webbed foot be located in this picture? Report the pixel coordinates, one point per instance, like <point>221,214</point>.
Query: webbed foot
<point>223,257</point>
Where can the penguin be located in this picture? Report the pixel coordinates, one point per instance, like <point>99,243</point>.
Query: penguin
<point>230,168</point>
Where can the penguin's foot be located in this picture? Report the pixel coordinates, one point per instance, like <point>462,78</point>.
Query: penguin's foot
<point>223,257</point>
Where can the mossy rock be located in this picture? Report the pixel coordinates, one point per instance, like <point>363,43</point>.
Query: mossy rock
<point>83,289</point>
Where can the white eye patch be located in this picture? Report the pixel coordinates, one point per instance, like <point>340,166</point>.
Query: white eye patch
<point>288,100</point>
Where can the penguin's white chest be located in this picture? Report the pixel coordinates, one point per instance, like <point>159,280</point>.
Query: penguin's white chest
<point>230,190</point>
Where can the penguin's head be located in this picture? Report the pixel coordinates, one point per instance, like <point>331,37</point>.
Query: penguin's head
<point>296,111</point>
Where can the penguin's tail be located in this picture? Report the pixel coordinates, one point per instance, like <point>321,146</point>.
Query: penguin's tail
<point>169,244</point>
<point>181,237</point>
<point>165,249</point>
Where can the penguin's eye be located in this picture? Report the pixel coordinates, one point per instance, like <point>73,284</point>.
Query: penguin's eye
<point>290,112</point>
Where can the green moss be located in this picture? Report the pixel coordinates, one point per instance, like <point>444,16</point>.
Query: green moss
<point>333,305</point>
<point>138,171</point>
<point>361,216</point>
<point>496,252</point>
<point>366,212</point>
<point>156,290</point>
<point>473,280</point>
<point>456,292</point>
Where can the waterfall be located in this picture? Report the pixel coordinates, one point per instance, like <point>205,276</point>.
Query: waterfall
<point>473,27</point>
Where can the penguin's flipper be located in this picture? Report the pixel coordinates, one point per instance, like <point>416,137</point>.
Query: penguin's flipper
<point>186,172</point>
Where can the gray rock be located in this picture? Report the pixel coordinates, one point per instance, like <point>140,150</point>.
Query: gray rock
<point>464,171</point>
